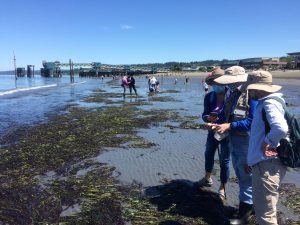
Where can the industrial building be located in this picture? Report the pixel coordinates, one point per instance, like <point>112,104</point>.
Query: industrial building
<point>255,63</point>
<point>296,59</point>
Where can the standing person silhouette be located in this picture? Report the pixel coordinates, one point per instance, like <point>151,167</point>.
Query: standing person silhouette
<point>131,84</point>
<point>213,105</point>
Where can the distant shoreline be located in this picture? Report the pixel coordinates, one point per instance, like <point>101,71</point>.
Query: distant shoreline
<point>288,74</point>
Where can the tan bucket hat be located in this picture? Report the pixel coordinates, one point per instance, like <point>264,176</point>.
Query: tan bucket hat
<point>261,80</point>
<point>214,75</point>
<point>233,74</point>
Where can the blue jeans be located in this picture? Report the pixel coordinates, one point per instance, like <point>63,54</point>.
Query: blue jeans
<point>211,147</point>
<point>238,145</point>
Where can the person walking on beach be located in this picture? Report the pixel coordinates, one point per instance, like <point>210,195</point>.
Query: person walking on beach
<point>213,105</point>
<point>152,84</point>
<point>186,79</point>
<point>131,84</point>
<point>175,82</point>
<point>238,114</point>
<point>267,169</point>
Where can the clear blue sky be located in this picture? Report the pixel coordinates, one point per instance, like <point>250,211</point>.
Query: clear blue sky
<point>142,31</point>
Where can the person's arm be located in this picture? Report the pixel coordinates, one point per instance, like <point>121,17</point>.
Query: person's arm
<point>278,125</point>
<point>207,107</point>
<point>244,125</point>
<point>209,104</point>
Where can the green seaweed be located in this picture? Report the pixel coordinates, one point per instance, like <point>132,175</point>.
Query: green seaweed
<point>63,145</point>
<point>292,196</point>
<point>162,99</point>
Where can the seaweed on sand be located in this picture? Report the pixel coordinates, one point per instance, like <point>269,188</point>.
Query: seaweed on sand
<point>102,97</point>
<point>162,99</point>
<point>292,196</point>
<point>192,125</point>
<point>183,202</point>
<point>170,91</point>
<point>55,146</point>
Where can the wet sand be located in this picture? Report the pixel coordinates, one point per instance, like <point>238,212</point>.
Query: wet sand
<point>179,153</point>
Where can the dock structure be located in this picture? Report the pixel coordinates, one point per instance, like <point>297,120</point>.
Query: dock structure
<point>20,71</point>
<point>51,69</point>
<point>94,69</point>
<point>30,70</point>
<point>71,64</point>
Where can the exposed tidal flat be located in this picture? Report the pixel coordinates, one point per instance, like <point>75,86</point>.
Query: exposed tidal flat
<point>97,158</point>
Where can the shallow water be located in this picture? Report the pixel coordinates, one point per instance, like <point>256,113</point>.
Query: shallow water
<point>35,98</point>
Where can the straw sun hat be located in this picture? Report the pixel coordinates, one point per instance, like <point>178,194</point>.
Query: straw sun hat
<point>233,74</point>
<point>261,80</point>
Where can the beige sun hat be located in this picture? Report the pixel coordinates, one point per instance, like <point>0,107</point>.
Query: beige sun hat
<point>233,74</point>
<point>261,80</point>
<point>214,75</point>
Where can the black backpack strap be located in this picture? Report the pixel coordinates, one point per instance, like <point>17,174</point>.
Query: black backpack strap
<point>267,125</point>
<point>264,115</point>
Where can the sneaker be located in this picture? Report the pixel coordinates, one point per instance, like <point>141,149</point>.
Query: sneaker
<point>222,195</point>
<point>205,183</point>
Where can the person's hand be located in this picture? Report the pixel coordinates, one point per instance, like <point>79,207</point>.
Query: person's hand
<point>212,119</point>
<point>247,168</point>
<point>211,126</point>
<point>222,128</point>
<point>268,150</point>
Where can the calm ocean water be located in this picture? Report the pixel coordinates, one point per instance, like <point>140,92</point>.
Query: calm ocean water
<point>30,100</point>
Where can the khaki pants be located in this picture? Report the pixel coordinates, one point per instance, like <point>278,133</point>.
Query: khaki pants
<point>266,177</point>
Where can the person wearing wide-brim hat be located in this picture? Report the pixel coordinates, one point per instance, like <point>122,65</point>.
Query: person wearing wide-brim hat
<point>267,169</point>
<point>213,105</point>
<point>216,73</point>
<point>233,74</point>
<point>238,113</point>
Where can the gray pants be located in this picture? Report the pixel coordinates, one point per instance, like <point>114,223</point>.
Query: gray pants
<point>266,177</point>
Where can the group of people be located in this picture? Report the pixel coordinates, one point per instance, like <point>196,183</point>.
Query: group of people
<point>128,81</point>
<point>233,111</point>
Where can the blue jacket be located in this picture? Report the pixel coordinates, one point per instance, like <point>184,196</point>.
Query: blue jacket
<point>243,125</point>
<point>278,128</point>
<point>210,103</point>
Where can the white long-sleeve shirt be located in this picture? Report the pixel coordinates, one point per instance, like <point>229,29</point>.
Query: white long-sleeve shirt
<point>279,128</point>
<point>153,80</point>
